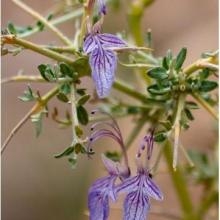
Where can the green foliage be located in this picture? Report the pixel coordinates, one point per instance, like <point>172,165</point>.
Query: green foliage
<point>28,95</point>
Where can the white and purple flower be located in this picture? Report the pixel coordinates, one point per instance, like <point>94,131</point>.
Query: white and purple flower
<point>138,188</point>
<point>102,59</point>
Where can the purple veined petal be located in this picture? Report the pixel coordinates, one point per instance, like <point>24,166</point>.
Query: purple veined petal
<point>136,206</point>
<point>151,189</point>
<point>103,64</point>
<point>98,205</point>
<point>110,40</point>
<point>110,165</point>
<point>89,43</point>
<point>129,185</point>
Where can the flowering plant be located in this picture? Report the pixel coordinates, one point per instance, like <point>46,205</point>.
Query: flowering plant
<point>168,93</point>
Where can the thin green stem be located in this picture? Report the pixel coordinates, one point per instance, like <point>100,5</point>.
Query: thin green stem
<point>36,15</point>
<point>201,64</point>
<point>119,85</point>
<point>180,185</point>
<point>12,39</point>
<point>205,105</point>
<point>75,122</point>
<point>54,22</point>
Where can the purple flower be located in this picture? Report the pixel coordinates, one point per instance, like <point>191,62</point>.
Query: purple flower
<point>140,188</point>
<point>102,59</point>
<point>102,7</point>
<point>102,190</point>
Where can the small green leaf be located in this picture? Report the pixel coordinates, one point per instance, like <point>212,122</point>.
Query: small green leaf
<point>189,114</point>
<point>158,73</point>
<point>79,131</point>
<point>133,110</point>
<point>79,148</point>
<point>191,105</point>
<point>46,72</point>
<point>12,28</point>
<point>81,91</point>
<point>207,86</point>
<point>115,156</point>
<point>73,162</point>
<point>67,70</point>
<point>65,88</point>
<point>156,90</point>
<point>82,115</point>
<point>62,97</point>
<point>40,25</point>
<point>28,95</point>
<point>82,100</point>
<point>64,153</point>
<point>204,74</point>
<point>165,63</point>
<point>160,136</point>
<point>180,58</point>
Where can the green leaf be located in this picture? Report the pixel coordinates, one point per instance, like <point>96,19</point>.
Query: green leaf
<point>204,74</point>
<point>62,97</point>
<point>46,72</point>
<point>115,156</point>
<point>12,28</point>
<point>73,162</point>
<point>160,136</point>
<point>40,25</point>
<point>158,73</point>
<point>165,63</point>
<point>207,86</point>
<point>81,91</point>
<point>133,110</point>
<point>79,148</point>
<point>82,100</point>
<point>37,121</point>
<point>65,88</point>
<point>67,70</point>
<point>79,131</point>
<point>191,105</point>
<point>189,114</point>
<point>180,58</point>
<point>64,153</point>
<point>28,95</point>
<point>157,90</point>
<point>82,115</point>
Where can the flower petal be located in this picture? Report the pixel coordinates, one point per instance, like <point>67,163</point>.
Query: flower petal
<point>103,64</point>
<point>89,43</point>
<point>98,204</point>
<point>151,189</point>
<point>102,7</point>
<point>136,206</point>
<point>129,185</point>
<point>110,40</point>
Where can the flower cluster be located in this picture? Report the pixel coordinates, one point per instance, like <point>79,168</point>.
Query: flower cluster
<point>138,188</point>
<point>102,58</point>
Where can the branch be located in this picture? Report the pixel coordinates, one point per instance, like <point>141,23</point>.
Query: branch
<point>12,39</point>
<point>44,21</point>
<point>35,109</point>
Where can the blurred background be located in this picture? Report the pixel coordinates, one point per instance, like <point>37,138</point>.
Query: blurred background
<point>37,186</point>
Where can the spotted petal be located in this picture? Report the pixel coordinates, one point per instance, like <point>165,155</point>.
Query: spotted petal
<point>136,206</point>
<point>110,40</point>
<point>103,64</point>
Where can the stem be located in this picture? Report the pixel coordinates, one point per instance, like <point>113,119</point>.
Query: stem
<point>55,21</point>
<point>180,185</point>
<point>75,122</point>
<point>44,21</point>
<point>201,64</point>
<point>177,128</point>
<point>12,39</point>
<point>119,85</point>
<point>36,108</point>
<point>205,105</point>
